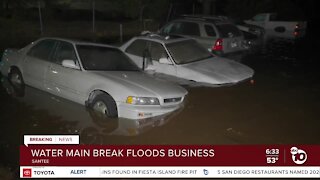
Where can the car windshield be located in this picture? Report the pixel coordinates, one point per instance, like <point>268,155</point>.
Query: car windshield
<point>101,58</point>
<point>188,51</point>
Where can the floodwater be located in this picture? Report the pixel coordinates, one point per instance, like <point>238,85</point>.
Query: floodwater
<point>281,107</point>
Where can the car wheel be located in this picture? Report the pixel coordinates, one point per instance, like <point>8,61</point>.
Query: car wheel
<point>105,104</point>
<point>16,80</point>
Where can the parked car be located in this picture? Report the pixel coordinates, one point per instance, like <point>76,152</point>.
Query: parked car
<point>277,27</point>
<point>184,58</point>
<point>99,76</point>
<point>71,118</point>
<point>215,33</point>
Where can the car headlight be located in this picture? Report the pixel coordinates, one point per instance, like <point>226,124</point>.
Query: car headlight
<point>142,100</point>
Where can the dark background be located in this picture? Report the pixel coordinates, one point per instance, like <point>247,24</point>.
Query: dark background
<point>20,23</point>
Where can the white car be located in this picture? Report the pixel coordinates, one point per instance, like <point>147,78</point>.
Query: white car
<point>185,59</point>
<point>276,26</point>
<point>99,76</point>
<point>214,33</point>
<point>71,118</point>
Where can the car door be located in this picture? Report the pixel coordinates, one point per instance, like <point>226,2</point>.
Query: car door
<point>157,51</point>
<point>36,63</point>
<point>63,81</point>
<point>136,51</point>
<point>140,47</point>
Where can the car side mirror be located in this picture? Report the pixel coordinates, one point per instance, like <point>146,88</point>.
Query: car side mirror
<point>164,60</point>
<point>70,64</point>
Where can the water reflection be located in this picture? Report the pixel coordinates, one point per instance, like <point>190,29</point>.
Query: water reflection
<point>65,117</point>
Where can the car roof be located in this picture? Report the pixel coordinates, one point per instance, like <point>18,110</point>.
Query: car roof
<point>76,42</point>
<point>163,38</point>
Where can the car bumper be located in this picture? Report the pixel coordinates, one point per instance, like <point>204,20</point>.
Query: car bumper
<point>134,127</point>
<point>142,112</point>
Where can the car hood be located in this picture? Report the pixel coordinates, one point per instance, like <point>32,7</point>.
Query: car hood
<point>216,70</point>
<point>143,84</point>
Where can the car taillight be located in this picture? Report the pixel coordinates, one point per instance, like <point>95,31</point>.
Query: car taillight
<point>218,45</point>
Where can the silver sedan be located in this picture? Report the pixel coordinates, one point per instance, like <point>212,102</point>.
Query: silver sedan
<point>184,61</point>
<point>99,76</point>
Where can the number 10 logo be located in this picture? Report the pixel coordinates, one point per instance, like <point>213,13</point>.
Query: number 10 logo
<point>299,156</point>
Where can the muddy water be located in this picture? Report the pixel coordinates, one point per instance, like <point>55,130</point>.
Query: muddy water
<point>281,107</point>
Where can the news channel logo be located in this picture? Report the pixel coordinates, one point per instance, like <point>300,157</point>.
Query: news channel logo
<point>299,156</point>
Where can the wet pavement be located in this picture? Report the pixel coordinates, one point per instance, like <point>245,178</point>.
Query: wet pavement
<point>281,107</point>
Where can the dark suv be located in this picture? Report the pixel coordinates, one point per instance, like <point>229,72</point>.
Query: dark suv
<point>215,33</point>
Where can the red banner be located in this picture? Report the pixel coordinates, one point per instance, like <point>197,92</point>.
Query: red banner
<point>170,155</point>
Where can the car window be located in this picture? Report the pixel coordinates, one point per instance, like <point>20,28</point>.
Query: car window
<point>42,49</point>
<point>157,51</point>
<point>100,58</point>
<point>187,51</point>
<point>174,28</point>
<point>190,28</point>
<point>168,29</point>
<point>65,51</point>
<point>228,30</point>
<point>185,28</point>
<point>260,17</point>
<point>210,31</point>
<point>137,47</point>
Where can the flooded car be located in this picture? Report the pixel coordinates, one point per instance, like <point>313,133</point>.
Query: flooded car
<point>72,118</point>
<point>99,76</point>
<point>214,33</point>
<point>186,59</point>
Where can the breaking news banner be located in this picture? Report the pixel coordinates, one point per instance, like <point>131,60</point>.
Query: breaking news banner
<point>63,157</point>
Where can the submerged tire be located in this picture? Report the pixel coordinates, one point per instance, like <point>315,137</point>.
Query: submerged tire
<point>105,104</point>
<point>17,82</point>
